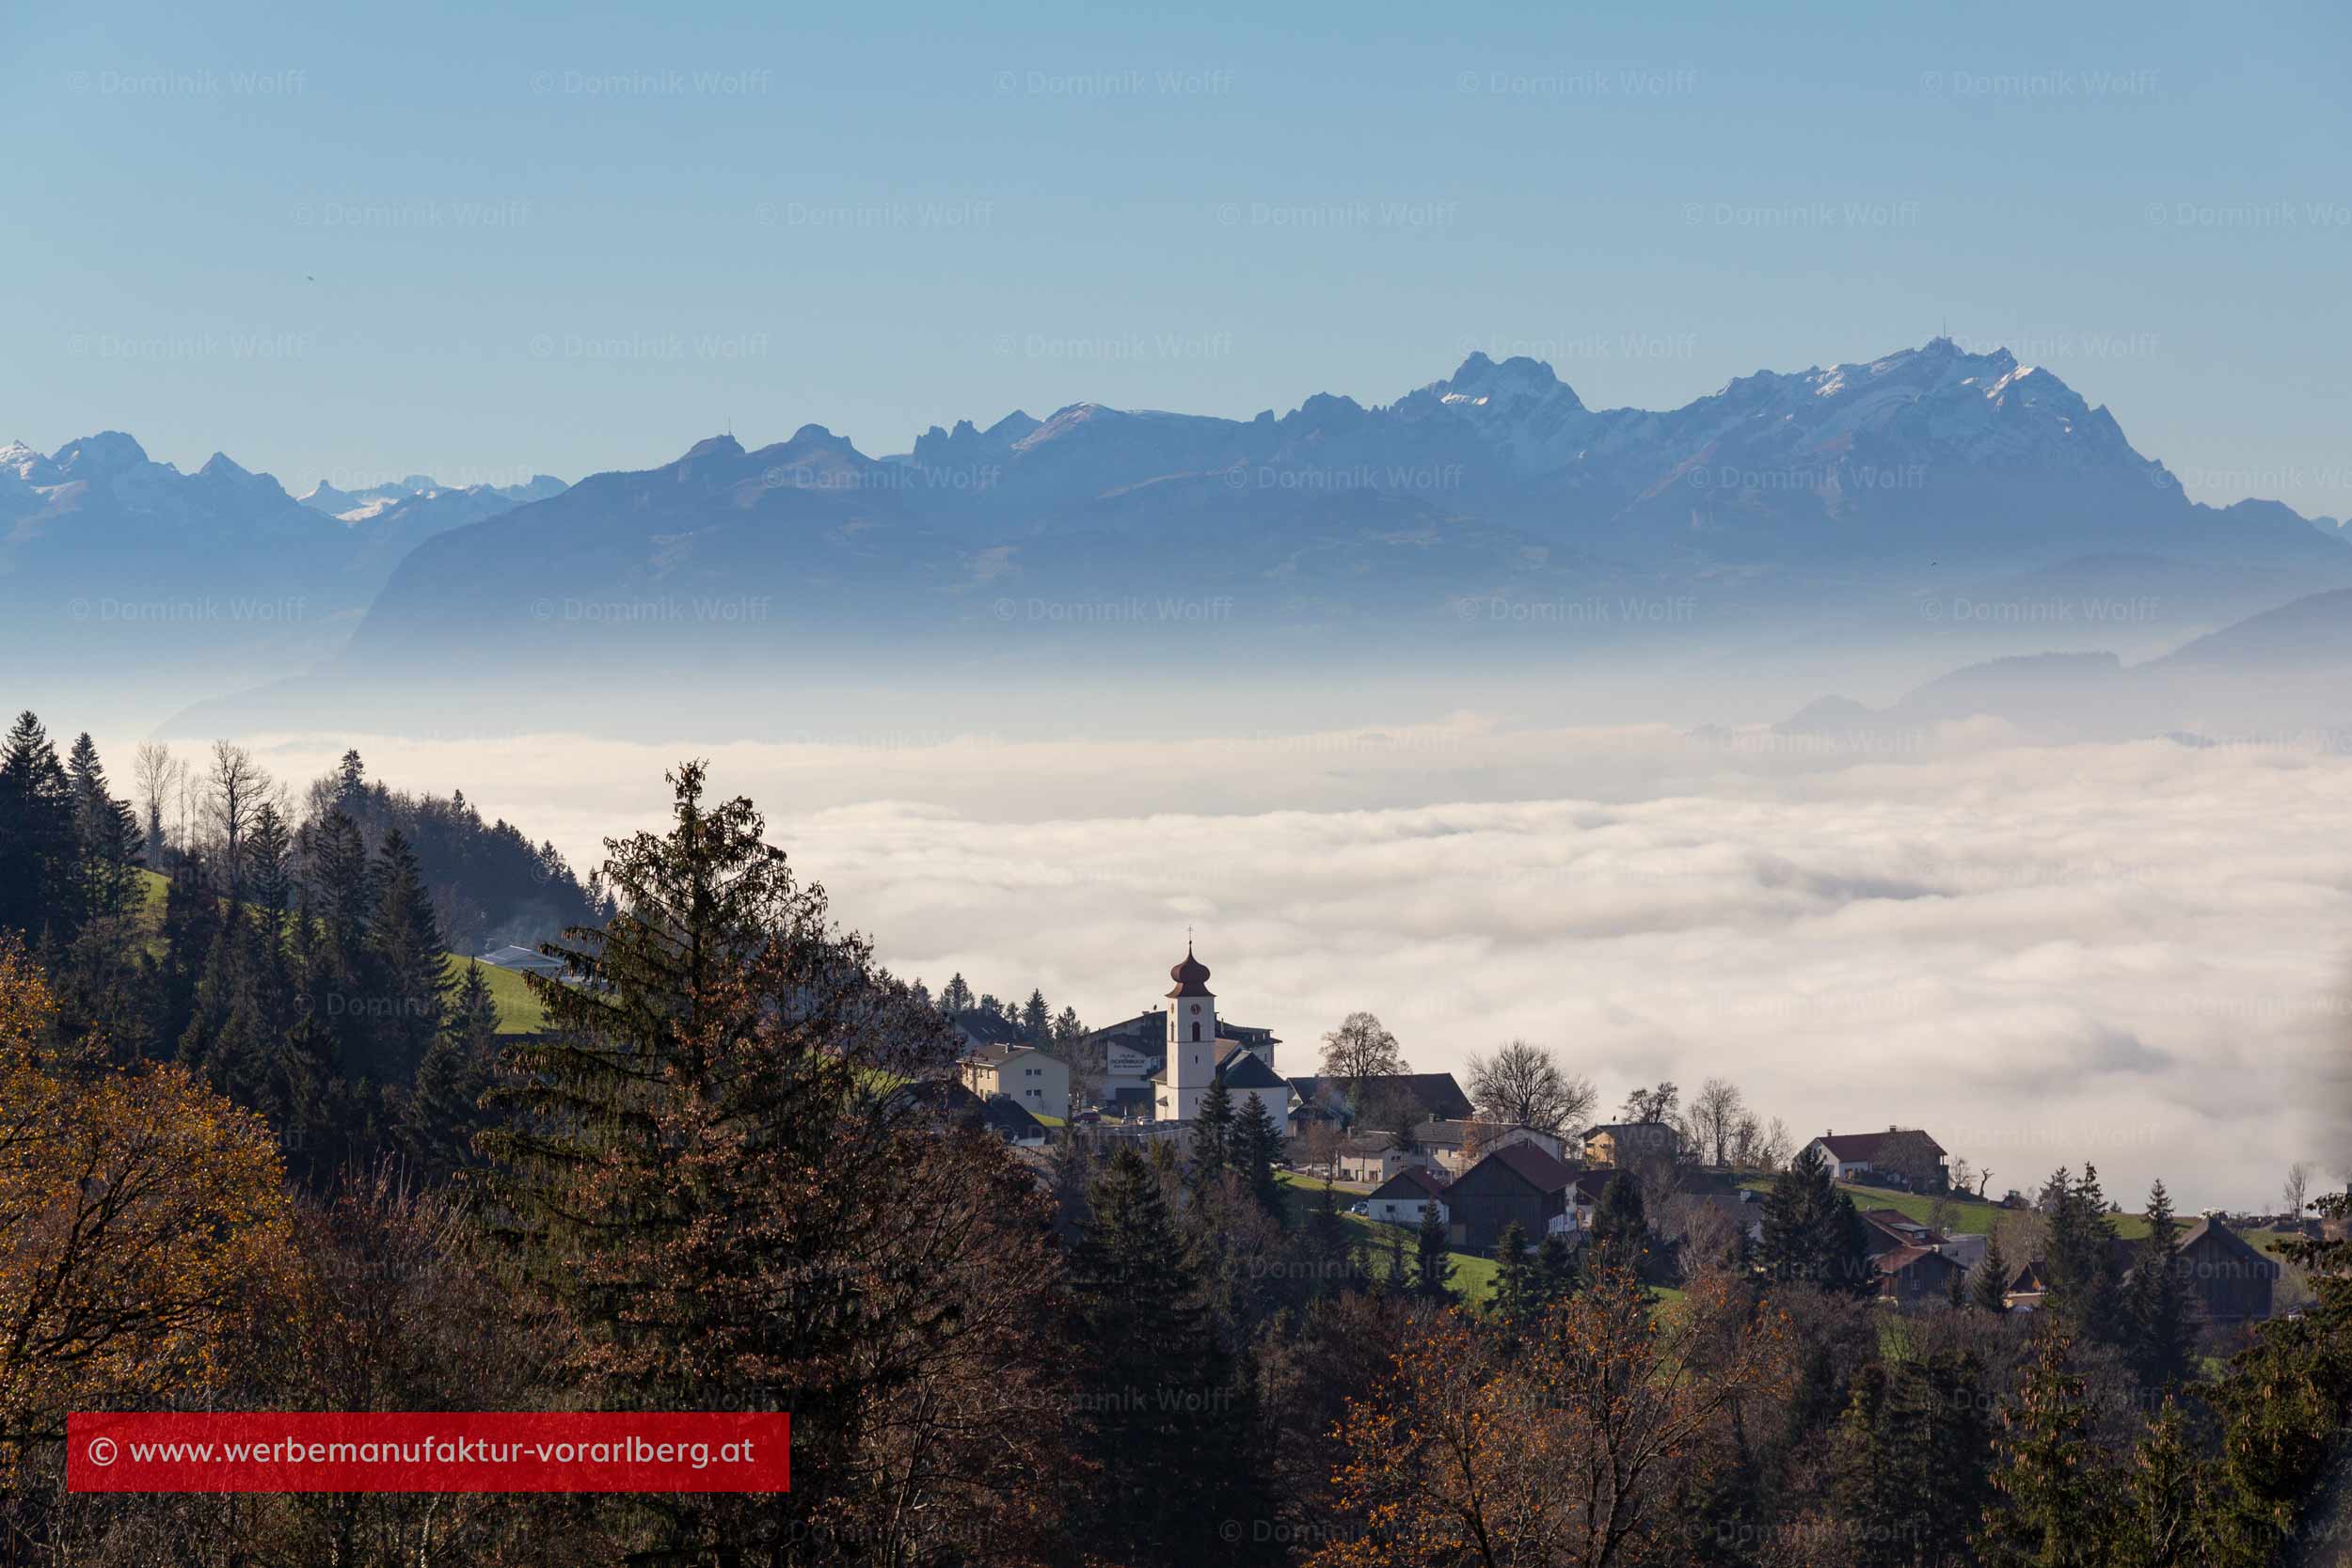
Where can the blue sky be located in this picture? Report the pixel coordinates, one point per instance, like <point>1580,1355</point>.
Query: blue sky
<point>575,238</point>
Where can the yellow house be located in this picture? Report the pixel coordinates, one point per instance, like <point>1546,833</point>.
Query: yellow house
<point>1028,1077</point>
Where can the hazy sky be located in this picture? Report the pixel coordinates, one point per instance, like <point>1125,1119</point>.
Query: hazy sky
<point>575,238</point>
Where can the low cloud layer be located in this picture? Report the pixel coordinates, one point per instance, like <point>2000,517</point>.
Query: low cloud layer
<point>2131,954</point>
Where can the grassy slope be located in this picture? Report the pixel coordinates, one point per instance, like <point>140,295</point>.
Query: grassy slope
<point>518,1010</point>
<point>1473,1276</point>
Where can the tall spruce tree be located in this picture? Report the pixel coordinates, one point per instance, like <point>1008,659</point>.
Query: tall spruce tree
<point>410,972</point>
<point>2159,1312</point>
<point>1988,1287</point>
<point>2053,1492</point>
<point>2080,1264</point>
<point>718,1163</point>
<point>37,837</point>
<point>1159,1415</point>
<point>1514,1301</point>
<point>442,1113</point>
<point>1433,1260</point>
<point>1811,1232</point>
<point>1257,1155</point>
<point>1621,1225</point>
<point>1213,1136</point>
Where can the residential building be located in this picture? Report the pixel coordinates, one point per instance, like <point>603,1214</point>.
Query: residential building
<point>1403,1096</point>
<point>1903,1157</point>
<point>1625,1143</point>
<point>1403,1198</point>
<point>1036,1081</point>
<point>1375,1157</point>
<point>1012,1122</point>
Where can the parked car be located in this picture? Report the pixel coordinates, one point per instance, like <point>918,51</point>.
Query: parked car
<point>1364,1208</point>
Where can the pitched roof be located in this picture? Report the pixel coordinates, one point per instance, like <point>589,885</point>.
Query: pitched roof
<point>998,1055</point>
<point>1530,1163</point>
<point>1904,1258</point>
<point>1010,1115</point>
<point>1435,1095</point>
<point>1442,1134</point>
<point>1244,1070</point>
<point>1867,1146</point>
<point>1413,1181</point>
<point>989,1028</point>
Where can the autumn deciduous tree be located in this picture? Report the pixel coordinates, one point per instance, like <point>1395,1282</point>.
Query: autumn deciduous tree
<point>1570,1451</point>
<point>141,1217</point>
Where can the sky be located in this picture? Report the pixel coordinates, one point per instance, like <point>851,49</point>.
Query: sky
<point>481,245</point>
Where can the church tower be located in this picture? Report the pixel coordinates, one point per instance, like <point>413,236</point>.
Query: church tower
<point>1191,1065</point>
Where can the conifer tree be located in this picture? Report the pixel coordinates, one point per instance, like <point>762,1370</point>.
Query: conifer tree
<point>106,849</point>
<point>1161,1429</point>
<point>1256,1151</point>
<point>2079,1255</point>
<point>1554,1278</point>
<point>2160,1521</point>
<point>1213,1136</point>
<point>1621,1224</point>
<point>2159,1315</point>
<point>2053,1492</point>
<point>955,997</point>
<point>1515,1290</point>
<point>1988,1289</point>
<point>1433,1260</point>
<point>442,1113</point>
<point>37,838</point>
<point>1037,1020</point>
<point>1811,1231</point>
<point>409,998</point>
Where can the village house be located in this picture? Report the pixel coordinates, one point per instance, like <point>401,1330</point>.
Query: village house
<point>1135,1049</point>
<point>1374,1157</point>
<point>1901,1157</point>
<point>1455,1145</point>
<point>1516,1183</point>
<point>1403,1198</point>
<point>1038,1082</point>
<point>2233,1282</point>
<point>1403,1098</point>
<point>1624,1142</point>
<point>1011,1122</point>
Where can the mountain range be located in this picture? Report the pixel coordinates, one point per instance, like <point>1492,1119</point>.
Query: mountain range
<point>1815,515</point>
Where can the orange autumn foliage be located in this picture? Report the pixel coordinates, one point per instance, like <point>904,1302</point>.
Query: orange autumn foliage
<point>141,1218</point>
<point>1564,1449</point>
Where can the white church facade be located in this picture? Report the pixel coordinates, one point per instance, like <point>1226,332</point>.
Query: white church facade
<point>1196,1053</point>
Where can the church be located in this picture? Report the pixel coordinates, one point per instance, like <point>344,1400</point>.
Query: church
<point>1195,1049</point>
<point>1199,1054</point>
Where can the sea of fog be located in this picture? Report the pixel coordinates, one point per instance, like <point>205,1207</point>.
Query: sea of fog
<point>2133,955</point>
